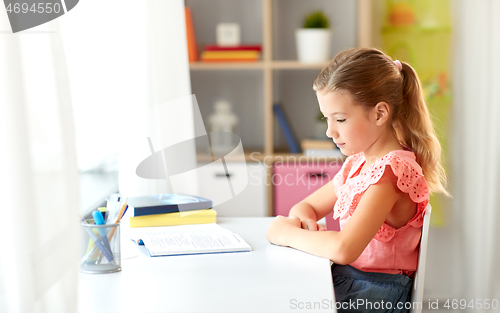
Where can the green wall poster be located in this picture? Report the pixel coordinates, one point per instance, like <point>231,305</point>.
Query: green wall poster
<point>419,33</point>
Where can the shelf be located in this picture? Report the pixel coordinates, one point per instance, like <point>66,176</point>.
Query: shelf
<point>226,66</point>
<point>291,157</point>
<point>253,87</point>
<point>277,65</point>
<point>416,28</point>
<point>249,157</point>
<point>270,159</point>
<point>273,158</point>
<point>295,65</point>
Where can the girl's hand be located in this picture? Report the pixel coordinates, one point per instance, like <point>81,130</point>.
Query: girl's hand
<point>277,231</point>
<point>311,224</point>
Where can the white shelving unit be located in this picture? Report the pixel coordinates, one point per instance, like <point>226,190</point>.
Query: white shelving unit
<point>253,87</point>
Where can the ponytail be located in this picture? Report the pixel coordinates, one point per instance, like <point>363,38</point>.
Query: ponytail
<point>371,76</point>
<point>413,127</point>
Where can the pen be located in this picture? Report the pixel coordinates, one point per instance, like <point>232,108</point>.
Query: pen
<point>118,218</point>
<point>99,220</point>
<point>104,212</point>
<point>98,243</point>
<point>125,211</point>
<point>91,242</point>
<point>122,211</point>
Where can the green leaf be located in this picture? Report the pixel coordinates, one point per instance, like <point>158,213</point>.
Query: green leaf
<point>316,19</point>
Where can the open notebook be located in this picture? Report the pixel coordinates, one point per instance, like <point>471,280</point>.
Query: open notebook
<point>187,239</point>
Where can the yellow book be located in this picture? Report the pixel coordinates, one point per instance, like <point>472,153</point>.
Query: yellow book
<point>243,54</point>
<point>178,218</point>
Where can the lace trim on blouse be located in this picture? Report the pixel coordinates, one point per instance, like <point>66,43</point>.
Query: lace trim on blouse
<point>410,180</point>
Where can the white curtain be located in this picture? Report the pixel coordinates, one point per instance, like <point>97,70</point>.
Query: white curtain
<point>476,153</point>
<point>39,177</point>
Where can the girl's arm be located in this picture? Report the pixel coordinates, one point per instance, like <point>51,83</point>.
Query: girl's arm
<point>315,206</point>
<point>346,246</point>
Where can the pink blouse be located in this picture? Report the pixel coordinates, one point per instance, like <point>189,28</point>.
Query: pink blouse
<point>393,251</point>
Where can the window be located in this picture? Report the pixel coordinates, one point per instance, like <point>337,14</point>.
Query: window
<point>107,74</point>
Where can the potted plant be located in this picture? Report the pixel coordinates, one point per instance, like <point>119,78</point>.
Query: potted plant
<point>313,39</point>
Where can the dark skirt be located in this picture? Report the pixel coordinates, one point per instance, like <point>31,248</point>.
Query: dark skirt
<point>358,291</point>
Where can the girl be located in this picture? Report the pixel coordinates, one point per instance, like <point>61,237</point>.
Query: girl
<point>377,116</point>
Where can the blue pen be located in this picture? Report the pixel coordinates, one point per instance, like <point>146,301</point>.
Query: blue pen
<point>99,220</point>
<point>98,243</point>
<point>125,211</point>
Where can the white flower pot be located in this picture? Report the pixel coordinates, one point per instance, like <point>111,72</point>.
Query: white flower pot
<point>313,44</point>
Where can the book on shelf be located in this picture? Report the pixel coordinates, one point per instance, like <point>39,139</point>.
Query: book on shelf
<point>191,39</point>
<point>233,48</point>
<point>321,144</point>
<point>319,148</point>
<point>230,56</point>
<point>188,239</point>
<point>205,216</point>
<point>283,120</point>
<point>167,203</point>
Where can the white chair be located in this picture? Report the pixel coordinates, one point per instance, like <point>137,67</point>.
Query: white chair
<point>417,294</point>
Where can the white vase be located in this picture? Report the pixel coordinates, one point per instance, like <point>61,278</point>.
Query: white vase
<point>313,44</point>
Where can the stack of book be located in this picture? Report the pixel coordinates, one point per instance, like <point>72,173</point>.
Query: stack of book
<point>162,223</point>
<point>170,210</point>
<point>242,53</point>
<point>319,147</point>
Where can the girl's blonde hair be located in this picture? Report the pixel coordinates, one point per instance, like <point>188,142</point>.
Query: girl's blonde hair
<point>372,77</point>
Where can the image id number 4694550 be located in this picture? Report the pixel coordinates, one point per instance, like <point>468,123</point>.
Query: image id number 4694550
<point>478,304</point>
<point>34,8</point>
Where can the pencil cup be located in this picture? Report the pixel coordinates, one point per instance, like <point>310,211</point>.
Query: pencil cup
<point>100,248</point>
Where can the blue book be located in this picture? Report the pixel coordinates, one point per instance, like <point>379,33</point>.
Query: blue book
<point>291,140</point>
<point>167,203</point>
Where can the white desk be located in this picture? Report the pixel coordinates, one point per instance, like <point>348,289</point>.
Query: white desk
<point>268,279</point>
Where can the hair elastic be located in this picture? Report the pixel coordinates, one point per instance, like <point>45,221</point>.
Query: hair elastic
<point>398,65</point>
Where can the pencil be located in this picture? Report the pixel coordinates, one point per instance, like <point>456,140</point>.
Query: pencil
<point>118,218</point>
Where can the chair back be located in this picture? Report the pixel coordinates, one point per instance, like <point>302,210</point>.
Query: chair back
<point>417,294</point>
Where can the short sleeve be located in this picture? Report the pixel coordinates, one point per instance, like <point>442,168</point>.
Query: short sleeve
<point>410,180</point>
<point>408,172</point>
